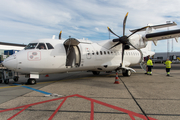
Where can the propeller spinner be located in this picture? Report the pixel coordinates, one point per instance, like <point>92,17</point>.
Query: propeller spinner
<point>124,40</point>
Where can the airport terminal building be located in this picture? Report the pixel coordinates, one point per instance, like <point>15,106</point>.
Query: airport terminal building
<point>162,56</point>
<point>8,49</point>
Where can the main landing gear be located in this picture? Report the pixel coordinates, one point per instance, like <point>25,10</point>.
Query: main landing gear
<point>126,73</point>
<point>96,72</point>
<point>31,81</point>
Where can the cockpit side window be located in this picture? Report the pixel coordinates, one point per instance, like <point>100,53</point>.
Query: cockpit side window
<point>41,46</point>
<point>30,46</point>
<point>49,46</point>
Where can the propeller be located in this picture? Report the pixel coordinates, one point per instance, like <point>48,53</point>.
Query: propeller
<point>124,40</point>
<point>60,35</point>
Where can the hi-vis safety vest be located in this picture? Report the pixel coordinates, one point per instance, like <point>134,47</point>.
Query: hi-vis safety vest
<point>168,64</point>
<point>149,62</point>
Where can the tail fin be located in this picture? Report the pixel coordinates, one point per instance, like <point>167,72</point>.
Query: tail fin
<point>147,50</point>
<point>148,46</point>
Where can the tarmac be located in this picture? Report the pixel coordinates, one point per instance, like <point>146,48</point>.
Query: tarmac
<point>84,96</point>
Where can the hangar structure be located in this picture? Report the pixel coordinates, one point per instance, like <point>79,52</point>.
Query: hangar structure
<point>9,47</point>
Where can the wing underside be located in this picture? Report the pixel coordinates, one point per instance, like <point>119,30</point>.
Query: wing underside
<point>162,35</point>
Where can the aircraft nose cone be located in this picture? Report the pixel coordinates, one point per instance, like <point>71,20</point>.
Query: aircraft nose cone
<point>10,62</point>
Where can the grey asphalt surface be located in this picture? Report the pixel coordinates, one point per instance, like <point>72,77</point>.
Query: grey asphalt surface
<point>156,96</point>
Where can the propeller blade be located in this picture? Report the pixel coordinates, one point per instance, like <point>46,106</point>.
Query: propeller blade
<point>138,50</point>
<point>115,45</point>
<point>123,47</point>
<point>124,23</point>
<point>137,30</point>
<point>60,34</point>
<point>112,32</point>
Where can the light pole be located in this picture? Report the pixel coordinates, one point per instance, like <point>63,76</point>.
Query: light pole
<point>168,41</point>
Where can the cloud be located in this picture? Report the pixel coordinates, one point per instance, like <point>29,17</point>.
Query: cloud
<point>23,21</point>
<point>97,28</point>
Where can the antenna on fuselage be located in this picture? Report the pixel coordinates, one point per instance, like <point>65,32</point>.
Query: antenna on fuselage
<point>53,37</point>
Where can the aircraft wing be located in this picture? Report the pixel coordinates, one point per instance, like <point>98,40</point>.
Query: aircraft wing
<point>157,26</point>
<point>162,35</point>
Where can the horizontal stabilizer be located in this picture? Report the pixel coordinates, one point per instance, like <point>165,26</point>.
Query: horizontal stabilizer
<point>162,35</point>
<point>157,26</point>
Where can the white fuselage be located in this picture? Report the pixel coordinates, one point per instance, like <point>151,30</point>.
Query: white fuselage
<point>69,56</point>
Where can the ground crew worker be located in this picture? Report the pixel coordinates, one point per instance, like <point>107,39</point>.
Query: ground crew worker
<point>168,66</point>
<point>149,65</point>
<point>146,59</point>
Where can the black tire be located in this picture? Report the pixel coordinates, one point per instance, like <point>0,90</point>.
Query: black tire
<point>96,72</point>
<point>16,78</point>
<point>127,73</point>
<point>6,81</point>
<point>31,81</point>
<point>2,78</point>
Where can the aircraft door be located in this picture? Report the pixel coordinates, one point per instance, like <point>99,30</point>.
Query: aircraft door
<point>77,55</point>
<point>73,55</point>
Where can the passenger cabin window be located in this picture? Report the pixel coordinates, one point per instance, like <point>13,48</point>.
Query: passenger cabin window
<point>49,46</point>
<point>92,52</point>
<point>41,46</point>
<point>30,46</point>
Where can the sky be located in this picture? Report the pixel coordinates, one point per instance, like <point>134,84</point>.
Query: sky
<point>22,21</point>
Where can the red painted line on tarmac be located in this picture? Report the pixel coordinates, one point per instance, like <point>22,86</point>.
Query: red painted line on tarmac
<point>57,109</point>
<point>130,113</point>
<point>131,116</point>
<point>36,103</point>
<point>92,111</point>
<point>18,113</point>
<point>116,108</point>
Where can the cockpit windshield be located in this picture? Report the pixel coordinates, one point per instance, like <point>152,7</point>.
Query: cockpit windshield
<point>30,46</point>
<point>41,46</point>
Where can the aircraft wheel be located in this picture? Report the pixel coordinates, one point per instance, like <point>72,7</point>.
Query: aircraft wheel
<point>16,78</point>
<point>127,73</point>
<point>96,72</point>
<point>0,81</point>
<point>32,81</point>
<point>6,81</point>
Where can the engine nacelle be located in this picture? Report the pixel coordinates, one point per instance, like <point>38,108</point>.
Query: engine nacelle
<point>127,47</point>
<point>137,41</point>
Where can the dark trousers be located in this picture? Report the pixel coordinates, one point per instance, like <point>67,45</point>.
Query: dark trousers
<point>149,68</point>
<point>168,69</point>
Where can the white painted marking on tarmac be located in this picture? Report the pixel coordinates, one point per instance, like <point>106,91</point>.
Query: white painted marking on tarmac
<point>53,95</point>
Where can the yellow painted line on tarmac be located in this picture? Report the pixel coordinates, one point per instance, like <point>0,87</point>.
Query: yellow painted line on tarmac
<point>9,87</point>
<point>46,82</point>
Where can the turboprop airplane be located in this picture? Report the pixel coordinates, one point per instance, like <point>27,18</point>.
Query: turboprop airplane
<point>47,56</point>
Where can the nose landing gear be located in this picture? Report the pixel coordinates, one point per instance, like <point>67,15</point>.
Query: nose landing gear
<point>31,81</point>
